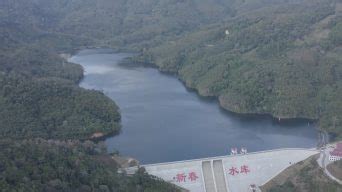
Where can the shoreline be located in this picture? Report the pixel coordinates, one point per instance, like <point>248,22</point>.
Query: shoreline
<point>218,99</point>
<point>229,109</point>
<point>215,98</point>
<point>220,112</point>
<point>96,136</point>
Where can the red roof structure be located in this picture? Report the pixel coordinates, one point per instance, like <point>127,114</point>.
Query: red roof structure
<point>337,151</point>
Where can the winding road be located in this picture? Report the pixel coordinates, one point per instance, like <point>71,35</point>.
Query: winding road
<point>323,160</point>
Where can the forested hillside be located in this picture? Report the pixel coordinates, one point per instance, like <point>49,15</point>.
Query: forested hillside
<point>40,165</point>
<point>284,60</point>
<point>39,94</point>
<point>40,98</point>
<point>121,23</point>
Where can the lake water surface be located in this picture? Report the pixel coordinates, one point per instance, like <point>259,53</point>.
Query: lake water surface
<point>163,121</point>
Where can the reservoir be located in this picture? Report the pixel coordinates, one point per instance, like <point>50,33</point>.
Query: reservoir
<point>163,121</point>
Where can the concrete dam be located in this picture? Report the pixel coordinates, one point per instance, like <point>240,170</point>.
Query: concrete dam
<point>231,173</point>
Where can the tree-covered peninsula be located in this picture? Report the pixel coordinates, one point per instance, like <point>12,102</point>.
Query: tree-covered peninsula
<point>46,119</point>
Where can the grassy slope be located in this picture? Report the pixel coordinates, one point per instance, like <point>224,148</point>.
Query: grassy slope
<point>336,169</point>
<point>305,176</point>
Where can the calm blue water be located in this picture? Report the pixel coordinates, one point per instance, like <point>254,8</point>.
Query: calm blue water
<point>163,121</point>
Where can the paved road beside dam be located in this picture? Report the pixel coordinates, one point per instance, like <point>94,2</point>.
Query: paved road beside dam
<point>228,173</point>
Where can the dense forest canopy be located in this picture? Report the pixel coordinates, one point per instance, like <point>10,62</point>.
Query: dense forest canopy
<point>50,165</point>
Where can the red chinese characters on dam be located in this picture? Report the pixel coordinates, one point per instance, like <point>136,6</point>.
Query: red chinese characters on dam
<point>244,169</point>
<point>233,171</point>
<point>183,178</point>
